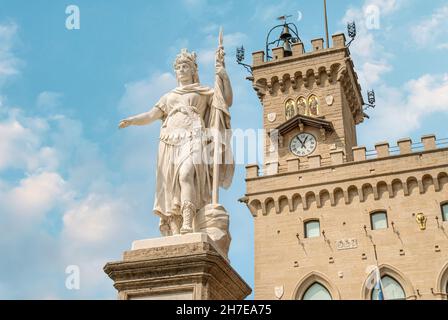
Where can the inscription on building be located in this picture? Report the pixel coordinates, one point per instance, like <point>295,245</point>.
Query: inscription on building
<point>346,244</point>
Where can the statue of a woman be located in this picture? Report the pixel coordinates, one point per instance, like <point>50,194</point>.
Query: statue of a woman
<point>184,173</point>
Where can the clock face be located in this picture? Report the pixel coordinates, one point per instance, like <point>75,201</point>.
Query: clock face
<point>303,144</point>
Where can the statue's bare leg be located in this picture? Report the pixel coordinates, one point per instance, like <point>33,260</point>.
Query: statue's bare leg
<point>186,179</point>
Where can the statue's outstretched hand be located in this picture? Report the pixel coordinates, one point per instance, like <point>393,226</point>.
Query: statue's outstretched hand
<point>124,123</point>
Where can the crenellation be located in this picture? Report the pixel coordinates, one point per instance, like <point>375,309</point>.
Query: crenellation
<point>337,157</point>
<point>257,58</point>
<point>278,53</point>
<point>360,153</point>
<point>429,142</point>
<point>339,40</point>
<point>382,149</point>
<point>298,49</point>
<point>252,171</point>
<point>366,169</point>
<point>405,145</point>
<point>314,161</point>
<point>293,164</point>
<point>317,44</point>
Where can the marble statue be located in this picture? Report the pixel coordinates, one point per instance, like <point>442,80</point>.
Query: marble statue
<point>194,156</point>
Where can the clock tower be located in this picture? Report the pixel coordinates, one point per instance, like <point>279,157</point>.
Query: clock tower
<point>311,102</point>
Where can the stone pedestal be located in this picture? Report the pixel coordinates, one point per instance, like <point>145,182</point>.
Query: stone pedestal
<point>187,267</point>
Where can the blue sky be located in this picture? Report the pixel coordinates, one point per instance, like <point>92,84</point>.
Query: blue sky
<point>74,190</point>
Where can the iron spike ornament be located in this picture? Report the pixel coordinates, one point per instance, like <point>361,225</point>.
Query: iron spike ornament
<point>351,30</point>
<point>371,99</point>
<point>240,53</point>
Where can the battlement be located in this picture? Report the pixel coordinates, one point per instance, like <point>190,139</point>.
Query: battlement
<point>298,51</point>
<point>382,151</point>
<point>378,174</point>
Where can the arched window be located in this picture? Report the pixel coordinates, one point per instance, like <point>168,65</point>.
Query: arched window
<point>378,220</point>
<point>443,282</point>
<point>445,211</point>
<point>316,292</point>
<point>392,290</point>
<point>312,229</point>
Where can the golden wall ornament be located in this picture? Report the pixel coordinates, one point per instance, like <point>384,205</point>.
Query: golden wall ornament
<point>421,220</point>
<point>290,109</point>
<point>302,106</point>
<point>313,105</point>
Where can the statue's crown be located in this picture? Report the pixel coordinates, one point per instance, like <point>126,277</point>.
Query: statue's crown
<point>185,56</point>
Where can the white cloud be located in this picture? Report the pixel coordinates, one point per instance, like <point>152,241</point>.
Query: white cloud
<point>402,110</point>
<point>210,28</point>
<point>386,6</point>
<point>36,195</point>
<point>442,46</point>
<point>361,14</point>
<point>21,143</point>
<point>141,95</point>
<point>48,100</point>
<point>372,58</point>
<point>60,201</point>
<point>206,55</point>
<point>432,31</point>
<point>195,3</point>
<point>9,63</point>
<point>199,8</point>
<point>206,58</point>
<point>98,219</point>
<point>232,40</point>
<point>270,12</point>
<point>371,72</point>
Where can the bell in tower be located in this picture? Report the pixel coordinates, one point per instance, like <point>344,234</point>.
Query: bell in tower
<point>286,38</point>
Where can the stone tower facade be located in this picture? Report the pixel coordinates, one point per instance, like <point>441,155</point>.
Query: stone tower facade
<point>330,217</point>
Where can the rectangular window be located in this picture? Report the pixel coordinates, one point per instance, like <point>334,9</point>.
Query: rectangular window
<point>379,220</point>
<point>445,212</point>
<point>312,229</point>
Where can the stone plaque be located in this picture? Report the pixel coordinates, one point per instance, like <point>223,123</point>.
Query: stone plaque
<point>346,244</point>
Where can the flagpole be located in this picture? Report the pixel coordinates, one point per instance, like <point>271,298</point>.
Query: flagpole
<point>326,24</point>
<point>379,284</point>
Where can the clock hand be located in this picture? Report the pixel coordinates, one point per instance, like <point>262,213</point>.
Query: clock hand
<point>303,145</point>
<point>300,141</point>
<point>303,142</point>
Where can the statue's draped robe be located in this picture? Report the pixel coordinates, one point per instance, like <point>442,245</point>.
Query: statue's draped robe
<point>188,113</point>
